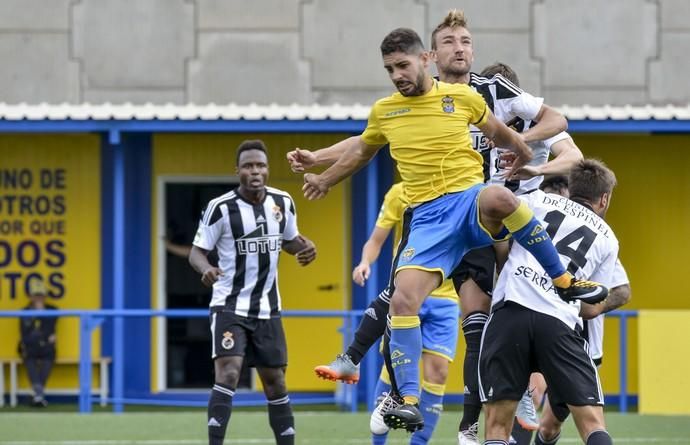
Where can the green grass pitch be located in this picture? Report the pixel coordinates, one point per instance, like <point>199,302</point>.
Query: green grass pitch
<point>251,427</point>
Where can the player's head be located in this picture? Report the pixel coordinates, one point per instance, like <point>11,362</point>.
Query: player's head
<point>592,182</point>
<point>406,61</point>
<point>451,45</point>
<point>502,69</point>
<point>557,184</point>
<point>252,165</point>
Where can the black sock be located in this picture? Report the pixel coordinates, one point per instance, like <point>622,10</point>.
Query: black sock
<point>600,437</point>
<point>370,329</point>
<point>539,440</point>
<point>281,420</point>
<point>521,435</point>
<point>472,328</point>
<point>387,356</point>
<point>219,410</point>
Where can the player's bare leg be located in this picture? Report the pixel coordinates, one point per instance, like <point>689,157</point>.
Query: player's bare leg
<point>589,421</point>
<point>499,420</point>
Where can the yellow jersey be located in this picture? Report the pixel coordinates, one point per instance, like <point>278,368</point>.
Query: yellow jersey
<point>429,138</point>
<point>390,217</point>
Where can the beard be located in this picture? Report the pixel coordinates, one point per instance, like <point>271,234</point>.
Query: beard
<point>417,88</point>
<point>452,69</point>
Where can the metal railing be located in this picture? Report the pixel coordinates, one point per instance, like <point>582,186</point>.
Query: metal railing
<point>91,319</point>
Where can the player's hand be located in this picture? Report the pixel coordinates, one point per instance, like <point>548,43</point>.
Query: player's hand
<point>526,172</point>
<point>590,311</point>
<point>521,160</point>
<point>361,273</point>
<point>308,254</point>
<point>210,276</point>
<point>301,160</point>
<point>313,187</point>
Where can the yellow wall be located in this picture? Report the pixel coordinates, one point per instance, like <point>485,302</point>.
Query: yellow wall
<point>664,363</point>
<point>326,222</point>
<point>75,282</point>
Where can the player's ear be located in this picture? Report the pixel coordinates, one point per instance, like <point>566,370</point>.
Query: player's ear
<point>425,57</point>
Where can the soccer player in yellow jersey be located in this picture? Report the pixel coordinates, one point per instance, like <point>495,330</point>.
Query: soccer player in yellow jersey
<point>426,124</point>
<point>439,326</point>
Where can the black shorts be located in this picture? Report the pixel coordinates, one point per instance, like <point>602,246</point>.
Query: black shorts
<point>260,341</point>
<point>561,410</point>
<point>518,341</point>
<point>478,264</point>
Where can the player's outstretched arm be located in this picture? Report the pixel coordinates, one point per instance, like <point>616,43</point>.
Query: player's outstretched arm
<point>302,248</point>
<point>370,253</point>
<point>550,122</point>
<point>355,157</point>
<point>199,261</point>
<point>301,160</point>
<point>566,156</point>
<point>504,137</point>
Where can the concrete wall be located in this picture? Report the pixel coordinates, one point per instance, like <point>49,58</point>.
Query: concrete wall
<point>326,51</point>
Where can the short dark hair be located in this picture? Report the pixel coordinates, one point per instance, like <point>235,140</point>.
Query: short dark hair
<point>404,40</point>
<point>555,182</point>
<point>502,69</point>
<point>589,180</point>
<point>251,144</point>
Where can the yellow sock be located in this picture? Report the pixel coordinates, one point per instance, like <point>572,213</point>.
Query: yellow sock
<point>563,281</point>
<point>411,400</point>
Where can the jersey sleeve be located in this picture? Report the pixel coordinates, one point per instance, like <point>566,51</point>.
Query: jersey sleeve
<point>211,227</point>
<point>620,277</point>
<point>605,272</point>
<point>372,134</point>
<point>519,103</point>
<point>291,230</point>
<point>553,139</point>
<point>390,212</point>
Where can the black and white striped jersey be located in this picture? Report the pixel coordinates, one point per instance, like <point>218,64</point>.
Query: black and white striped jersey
<point>587,247</point>
<point>507,102</point>
<point>248,238</point>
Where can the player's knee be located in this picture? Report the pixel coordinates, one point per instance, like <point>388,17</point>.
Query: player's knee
<point>437,373</point>
<point>549,430</point>
<point>497,202</point>
<point>403,303</point>
<point>229,375</point>
<point>473,299</point>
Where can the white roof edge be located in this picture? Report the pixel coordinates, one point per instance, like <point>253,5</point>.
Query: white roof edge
<point>150,111</point>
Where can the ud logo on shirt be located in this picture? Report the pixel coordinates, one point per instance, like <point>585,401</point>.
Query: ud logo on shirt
<point>448,105</point>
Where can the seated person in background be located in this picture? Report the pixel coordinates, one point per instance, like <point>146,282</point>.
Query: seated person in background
<point>37,343</point>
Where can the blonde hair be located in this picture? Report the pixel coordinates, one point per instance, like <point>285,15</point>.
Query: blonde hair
<point>454,19</point>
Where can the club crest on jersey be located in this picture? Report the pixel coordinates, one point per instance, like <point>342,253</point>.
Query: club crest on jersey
<point>228,342</point>
<point>537,229</point>
<point>447,104</point>
<point>407,254</point>
<point>277,214</point>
